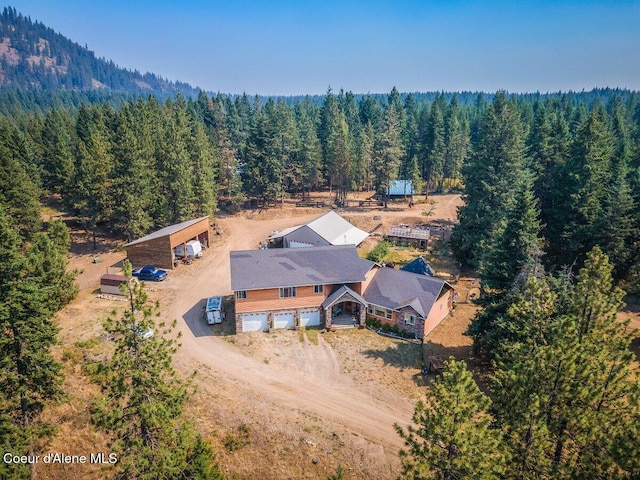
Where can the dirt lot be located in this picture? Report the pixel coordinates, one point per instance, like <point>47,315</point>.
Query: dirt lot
<point>292,404</point>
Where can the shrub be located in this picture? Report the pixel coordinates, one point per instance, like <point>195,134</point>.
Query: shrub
<point>380,251</point>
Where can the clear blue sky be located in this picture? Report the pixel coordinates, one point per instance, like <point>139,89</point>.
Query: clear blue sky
<point>298,47</point>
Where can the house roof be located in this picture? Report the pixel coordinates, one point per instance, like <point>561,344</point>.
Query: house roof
<point>420,266</point>
<point>166,231</point>
<point>336,230</point>
<point>400,188</point>
<point>333,228</point>
<point>338,293</point>
<point>395,289</point>
<point>293,267</point>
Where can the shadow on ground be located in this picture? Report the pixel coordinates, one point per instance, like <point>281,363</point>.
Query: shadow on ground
<point>197,322</point>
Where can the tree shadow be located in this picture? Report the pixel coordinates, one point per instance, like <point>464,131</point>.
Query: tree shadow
<point>408,355</point>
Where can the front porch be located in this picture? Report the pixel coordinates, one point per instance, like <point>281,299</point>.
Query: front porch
<point>344,308</point>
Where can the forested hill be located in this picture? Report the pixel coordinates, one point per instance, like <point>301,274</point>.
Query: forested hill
<point>33,56</point>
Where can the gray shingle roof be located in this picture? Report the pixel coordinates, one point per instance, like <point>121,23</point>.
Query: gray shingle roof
<point>163,232</point>
<point>338,293</point>
<point>394,289</point>
<point>294,267</point>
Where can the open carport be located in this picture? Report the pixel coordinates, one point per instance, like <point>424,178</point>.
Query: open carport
<point>157,248</point>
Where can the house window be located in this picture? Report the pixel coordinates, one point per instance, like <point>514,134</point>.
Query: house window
<point>287,292</point>
<point>241,294</point>
<point>384,313</point>
<point>409,319</point>
<point>317,289</point>
<point>370,310</point>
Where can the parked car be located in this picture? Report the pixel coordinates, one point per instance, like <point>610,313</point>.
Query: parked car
<point>149,272</point>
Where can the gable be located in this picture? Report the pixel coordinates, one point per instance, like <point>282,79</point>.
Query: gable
<point>395,289</point>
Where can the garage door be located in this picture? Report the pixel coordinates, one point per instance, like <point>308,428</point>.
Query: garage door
<point>310,318</point>
<point>254,322</point>
<point>283,320</point>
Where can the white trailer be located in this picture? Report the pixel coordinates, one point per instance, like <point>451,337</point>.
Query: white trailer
<point>213,310</point>
<point>194,249</point>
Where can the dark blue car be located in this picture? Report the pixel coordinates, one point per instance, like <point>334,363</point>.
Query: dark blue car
<point>149,272</point>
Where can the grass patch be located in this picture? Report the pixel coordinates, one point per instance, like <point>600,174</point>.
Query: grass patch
<point>312,335</point>
<point>235,440</point>
<point>301,331</point>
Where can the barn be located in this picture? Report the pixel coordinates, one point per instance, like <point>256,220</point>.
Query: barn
<point>157,248</point>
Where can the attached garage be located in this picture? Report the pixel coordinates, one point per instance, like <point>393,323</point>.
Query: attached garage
<point>157,248</point>
<point>283,320</point>
<point>309,318</point>
<point>255,322</point>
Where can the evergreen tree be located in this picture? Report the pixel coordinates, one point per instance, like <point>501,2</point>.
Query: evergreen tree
<point>454,438</point>
<point>91,197</point>
<point>388,150</point>
<point>588,177</point>
<point>175,166</point>
<point>18,194</point>
<point>564,386</point>
<point>516,243</point>
<point>491,177</point>
<point>34,285</point>
<point>309,156</point>
<point>436,146</point>
<point>135,180</point>
<point>457,144</point>
<point>263,171</point>
<point>143,399</point>
<point>57,148</point>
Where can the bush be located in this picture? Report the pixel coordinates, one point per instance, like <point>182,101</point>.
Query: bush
<point>373,322</point>
<point>380,251</point>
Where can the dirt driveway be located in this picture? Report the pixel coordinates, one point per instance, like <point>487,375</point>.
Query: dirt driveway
<point>291,390</point>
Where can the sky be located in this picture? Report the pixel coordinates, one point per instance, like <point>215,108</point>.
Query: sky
<point>306,46</point>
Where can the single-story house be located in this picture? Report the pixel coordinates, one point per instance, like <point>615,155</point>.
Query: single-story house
<point>331,285</point>
<point>158,248</point>
<point>328,229</point>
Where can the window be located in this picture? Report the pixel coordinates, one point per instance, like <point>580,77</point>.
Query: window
<point>409,319</point>
<point>317,289</point>
<point>383,312</point>
<point>241,294</point>
<point>287,292</point>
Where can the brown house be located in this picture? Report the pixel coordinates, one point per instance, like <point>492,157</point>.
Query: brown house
<point>286,288</point>
<point>157,248</point>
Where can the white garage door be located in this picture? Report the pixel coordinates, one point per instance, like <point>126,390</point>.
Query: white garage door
<point>310,318</point>
<point>255,322</point>
<point>283,320</point>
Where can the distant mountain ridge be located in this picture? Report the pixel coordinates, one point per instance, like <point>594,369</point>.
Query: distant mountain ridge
<point>33,56</point>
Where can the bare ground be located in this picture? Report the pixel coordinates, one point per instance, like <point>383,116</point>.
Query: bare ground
<point>295,405</point>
